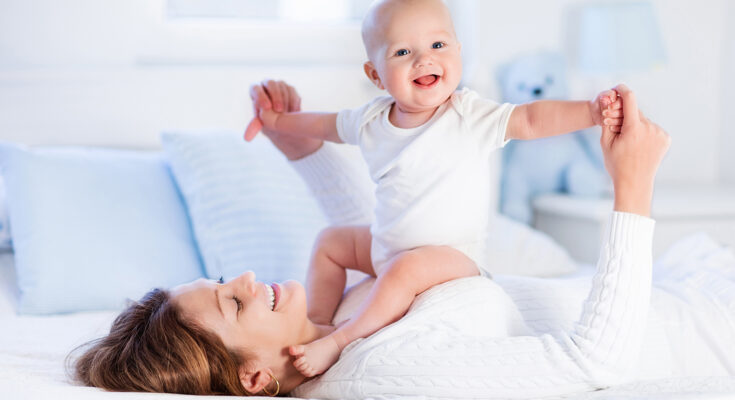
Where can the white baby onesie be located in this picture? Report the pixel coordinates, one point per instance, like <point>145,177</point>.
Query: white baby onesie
<point>433,181</point>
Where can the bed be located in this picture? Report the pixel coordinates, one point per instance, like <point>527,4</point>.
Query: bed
<point>33,351</point>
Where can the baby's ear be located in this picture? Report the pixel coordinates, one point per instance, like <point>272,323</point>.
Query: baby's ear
<point>372,74</point>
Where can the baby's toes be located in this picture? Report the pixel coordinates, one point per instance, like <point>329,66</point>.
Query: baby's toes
<point>297,351</point>
<point>304,368</point>
<point>301,365</point>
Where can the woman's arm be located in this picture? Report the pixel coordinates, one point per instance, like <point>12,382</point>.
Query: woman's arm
<point>632,156</point>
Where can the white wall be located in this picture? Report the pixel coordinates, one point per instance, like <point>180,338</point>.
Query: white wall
<point>114,72</point>
<point>683,96</point>
<point>727,143</point>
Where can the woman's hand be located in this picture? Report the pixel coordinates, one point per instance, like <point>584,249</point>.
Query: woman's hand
<point>279,97</point>
<point>633,156</point>
<point>271,95</point>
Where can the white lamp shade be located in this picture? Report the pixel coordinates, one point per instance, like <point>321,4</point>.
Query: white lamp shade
<point>617,37</point>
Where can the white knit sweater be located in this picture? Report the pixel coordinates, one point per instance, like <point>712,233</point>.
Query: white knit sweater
<point>469,339</point>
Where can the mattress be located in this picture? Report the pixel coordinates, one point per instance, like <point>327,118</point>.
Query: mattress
<point>33,351</point>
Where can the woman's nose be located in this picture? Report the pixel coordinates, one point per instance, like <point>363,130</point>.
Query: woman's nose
<point>246,281</point>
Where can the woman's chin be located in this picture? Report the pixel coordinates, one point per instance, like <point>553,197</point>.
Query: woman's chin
<point>293,296</point>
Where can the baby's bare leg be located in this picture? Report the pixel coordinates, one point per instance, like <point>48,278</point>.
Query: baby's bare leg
<point>336,249</point>
<point>407,275</point>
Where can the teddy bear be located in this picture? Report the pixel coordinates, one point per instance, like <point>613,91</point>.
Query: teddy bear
<point>570,163</point>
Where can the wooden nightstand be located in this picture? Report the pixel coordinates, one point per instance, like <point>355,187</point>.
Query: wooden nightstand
<point>577,223</point>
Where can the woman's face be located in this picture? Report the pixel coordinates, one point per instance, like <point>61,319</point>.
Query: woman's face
<point>240,313</point>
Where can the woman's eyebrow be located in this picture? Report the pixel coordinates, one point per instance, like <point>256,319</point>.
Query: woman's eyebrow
<point>216,301</point>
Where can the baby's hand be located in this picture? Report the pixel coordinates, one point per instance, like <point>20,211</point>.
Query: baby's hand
<point>268,118</point>
<point>607,110</point>
<point>270,95</point>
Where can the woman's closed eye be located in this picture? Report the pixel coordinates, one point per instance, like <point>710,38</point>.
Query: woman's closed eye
<point>238,302</point>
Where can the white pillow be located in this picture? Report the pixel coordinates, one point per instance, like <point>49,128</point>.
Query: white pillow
<point>93,227</point>
<point>517,249</point>
<point>249,209</point>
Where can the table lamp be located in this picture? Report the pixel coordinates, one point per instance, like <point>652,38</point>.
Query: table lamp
<point>613,38</point>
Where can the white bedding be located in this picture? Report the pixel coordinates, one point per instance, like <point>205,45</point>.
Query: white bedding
<point>33,350</point>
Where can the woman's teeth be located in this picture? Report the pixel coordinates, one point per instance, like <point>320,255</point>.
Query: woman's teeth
<point>272,295</point>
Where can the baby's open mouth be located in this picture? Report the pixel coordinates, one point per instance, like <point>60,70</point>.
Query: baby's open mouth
<point>426,80</point>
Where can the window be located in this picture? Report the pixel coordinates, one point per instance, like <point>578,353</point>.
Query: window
<point>310,11</point>
<point>248,32</point>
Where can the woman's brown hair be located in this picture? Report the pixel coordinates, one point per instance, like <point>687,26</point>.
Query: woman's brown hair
<point>151,348</point>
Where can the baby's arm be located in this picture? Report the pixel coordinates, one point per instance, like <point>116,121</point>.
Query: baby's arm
<point>315,125</point>
<point>407,275</point>
<point>546,118</point>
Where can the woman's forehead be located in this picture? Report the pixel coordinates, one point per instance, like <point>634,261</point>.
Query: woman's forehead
<point>196,297</point>
<point>193,287</point>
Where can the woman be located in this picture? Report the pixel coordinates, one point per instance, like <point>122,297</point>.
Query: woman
<point>464,339</point>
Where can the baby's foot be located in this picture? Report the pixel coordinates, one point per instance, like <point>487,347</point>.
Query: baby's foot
<point>320,320</point>
<point>316,357</point>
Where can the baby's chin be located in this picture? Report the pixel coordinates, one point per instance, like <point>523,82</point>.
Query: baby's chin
<point>423,106</point>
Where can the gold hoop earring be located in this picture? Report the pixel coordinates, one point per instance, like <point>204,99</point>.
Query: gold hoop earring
<point>278,387</point>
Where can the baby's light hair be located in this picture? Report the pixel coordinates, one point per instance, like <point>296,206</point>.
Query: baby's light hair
<point>371,20</point>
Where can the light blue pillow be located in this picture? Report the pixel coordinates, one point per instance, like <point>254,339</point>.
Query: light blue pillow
<point>92,227</point>
<point>5,244</point>
<point>250,210</point>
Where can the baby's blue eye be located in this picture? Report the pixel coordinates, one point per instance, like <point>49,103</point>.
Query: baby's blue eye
<point>402,52</point>
<point>437,45</point>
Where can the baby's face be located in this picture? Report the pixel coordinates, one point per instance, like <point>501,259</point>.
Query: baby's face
<point>416,54</point>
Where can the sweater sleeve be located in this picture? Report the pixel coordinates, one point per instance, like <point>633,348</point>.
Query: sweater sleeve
<point>338,178</point>
<point>595,353</point>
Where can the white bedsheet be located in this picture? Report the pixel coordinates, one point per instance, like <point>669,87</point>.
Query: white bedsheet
<point>33,350</point>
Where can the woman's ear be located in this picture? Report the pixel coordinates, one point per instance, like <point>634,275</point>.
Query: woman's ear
<point>255,381</point>
<point>372,74</point>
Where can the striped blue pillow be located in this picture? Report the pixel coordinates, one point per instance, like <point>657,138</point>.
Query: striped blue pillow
<point>249,209</point>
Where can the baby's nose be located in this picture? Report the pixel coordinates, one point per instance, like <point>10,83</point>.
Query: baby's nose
<point>423,60</point>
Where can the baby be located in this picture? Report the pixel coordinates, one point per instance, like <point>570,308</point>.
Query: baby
<point>427,147</point>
